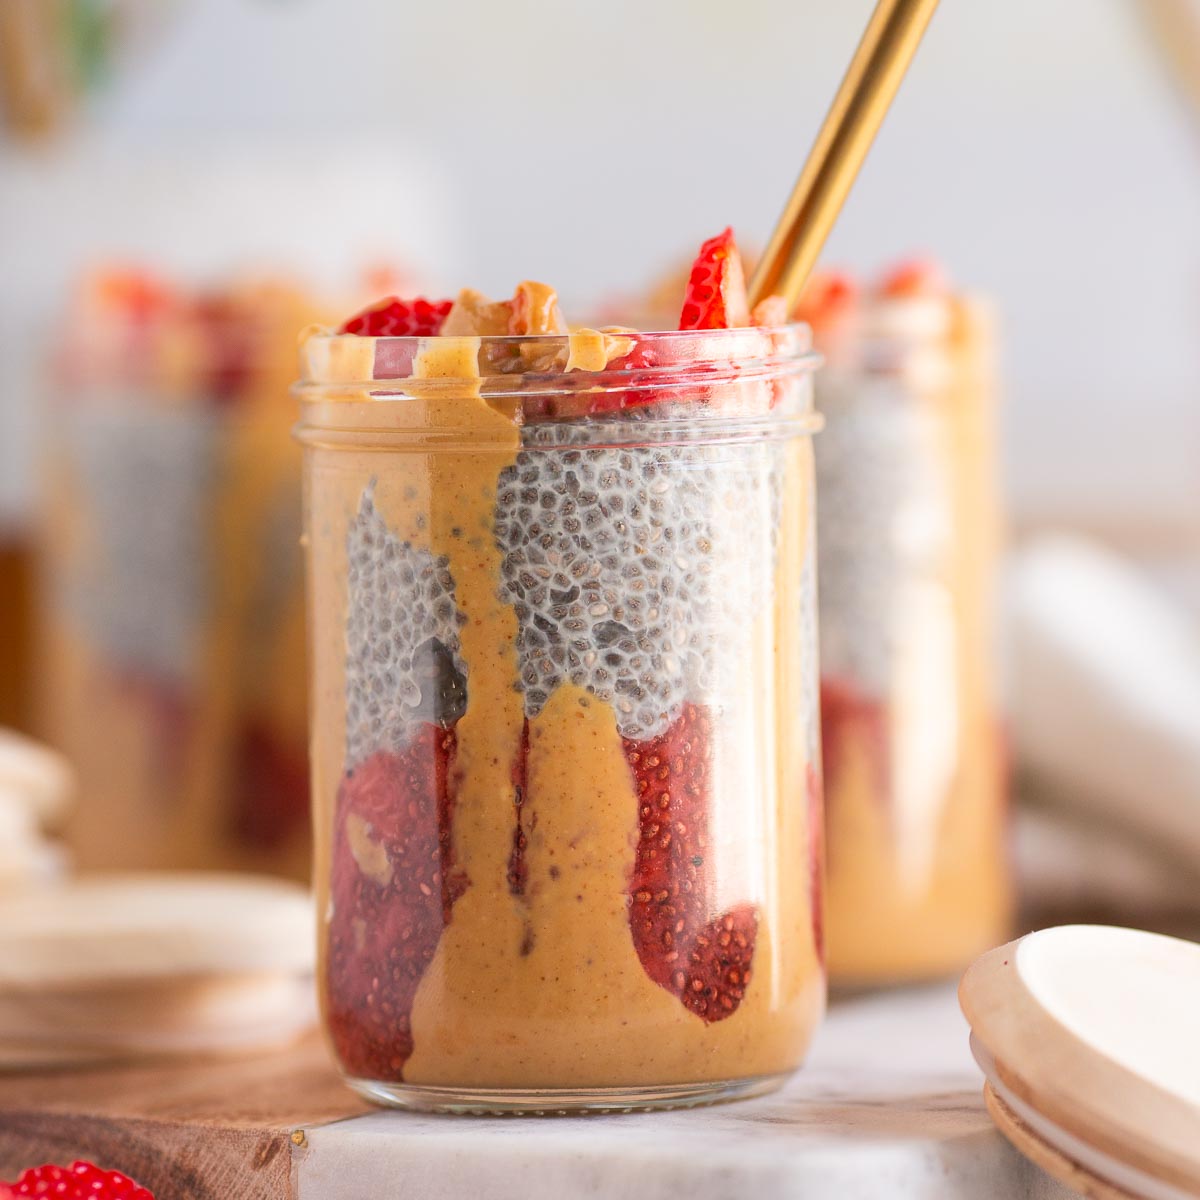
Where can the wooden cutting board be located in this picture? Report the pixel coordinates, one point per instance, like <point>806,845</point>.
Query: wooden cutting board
<point>201,1130</point>
<point>889,1107</point>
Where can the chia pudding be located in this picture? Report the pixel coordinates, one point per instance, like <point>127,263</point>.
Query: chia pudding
<point>560,771</point>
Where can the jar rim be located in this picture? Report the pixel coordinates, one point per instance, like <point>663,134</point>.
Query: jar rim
<point>507,360</point>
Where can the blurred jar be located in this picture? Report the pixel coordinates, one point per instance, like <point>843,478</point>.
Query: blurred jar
<point>172,656</point>
<point>907,545</point>
<point>16,622</point>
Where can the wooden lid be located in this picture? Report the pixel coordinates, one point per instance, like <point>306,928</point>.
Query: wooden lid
<point>121,927</point>
<point>35,775</point>
<point>1090,1039</point>
<point>203,1015</point>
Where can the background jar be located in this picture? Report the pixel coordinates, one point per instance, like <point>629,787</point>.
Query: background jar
<point>171,649</point>
<point>908,540</point>
<point>564,714</point>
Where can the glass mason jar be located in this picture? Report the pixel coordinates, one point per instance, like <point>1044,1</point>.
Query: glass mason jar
<point>564,715</point>
<point>908,536</point>
<point>172,640</point>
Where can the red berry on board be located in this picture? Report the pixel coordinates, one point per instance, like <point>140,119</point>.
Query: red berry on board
<point>80,1181</point>
<point>393,883</point>
<point>393,317</point>
<point>715,297</point>
<point>703,960</point>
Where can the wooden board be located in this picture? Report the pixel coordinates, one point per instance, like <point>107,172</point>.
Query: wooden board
<point>889,1107</point>
<point>197,1130</point>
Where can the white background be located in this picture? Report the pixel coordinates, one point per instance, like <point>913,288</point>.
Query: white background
<point>1037,147</point>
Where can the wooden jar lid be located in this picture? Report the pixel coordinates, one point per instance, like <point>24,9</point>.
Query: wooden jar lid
<point>121,966</point>
<point>1090,1040</point>
<point>108,928</point>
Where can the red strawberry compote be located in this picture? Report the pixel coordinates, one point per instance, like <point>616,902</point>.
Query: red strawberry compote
<point>555,581</point>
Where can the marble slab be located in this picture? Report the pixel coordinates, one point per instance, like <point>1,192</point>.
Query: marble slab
<point>889,1107</point>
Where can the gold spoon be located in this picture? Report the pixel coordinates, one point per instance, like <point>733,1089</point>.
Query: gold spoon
<point>869,86</point>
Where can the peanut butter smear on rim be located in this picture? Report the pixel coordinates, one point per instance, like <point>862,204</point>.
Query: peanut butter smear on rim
<point>539,984</point>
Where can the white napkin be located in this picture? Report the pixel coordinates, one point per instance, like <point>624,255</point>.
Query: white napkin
<point>1105,719</point>
<point>37,787</point>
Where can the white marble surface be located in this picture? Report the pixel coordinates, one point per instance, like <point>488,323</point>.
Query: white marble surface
<point>888,1108</point>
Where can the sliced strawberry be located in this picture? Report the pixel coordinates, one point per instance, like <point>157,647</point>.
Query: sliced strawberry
<point>770,312</point>
<point>80,1181</point>
<point>913,278</point>
<point>393,317</point>
<point>393,883</point>
<point>716,289</point>
<point>703,961</point>
<point>828,297</point>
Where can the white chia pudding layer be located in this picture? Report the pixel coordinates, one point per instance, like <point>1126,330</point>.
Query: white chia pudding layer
<point>883,519</point>
<point>636,571</point>
<point>404,665</point>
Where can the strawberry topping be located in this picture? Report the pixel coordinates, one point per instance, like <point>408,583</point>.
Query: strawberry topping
<point>135,294</point>
<point>393,317</point>
<point>913,278</point>
<point>703,961</point>
<point>80,1181</point>
<point>393,883</point>
<point>715,297</point>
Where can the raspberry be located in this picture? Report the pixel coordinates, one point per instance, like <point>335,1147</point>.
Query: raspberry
<point>80,1181</point>
<point>393,317</point>
<point>828,297</point>
<point>716,289</point>
<point>135,294</point>
<point>704,962</point>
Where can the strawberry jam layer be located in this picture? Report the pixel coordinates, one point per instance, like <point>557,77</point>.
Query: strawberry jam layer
<point>393,886</point>
<point>703,960</point>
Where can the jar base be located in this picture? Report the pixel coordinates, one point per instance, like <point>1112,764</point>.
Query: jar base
<point>561,1102</point>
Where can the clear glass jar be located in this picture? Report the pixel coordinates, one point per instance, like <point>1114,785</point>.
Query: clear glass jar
<point>564,715</point>
<point>171,663</point>
<point>908,536</point>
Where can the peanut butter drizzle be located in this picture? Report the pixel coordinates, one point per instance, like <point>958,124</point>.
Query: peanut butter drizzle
<point>594,349</point>
<point>545,989</point>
